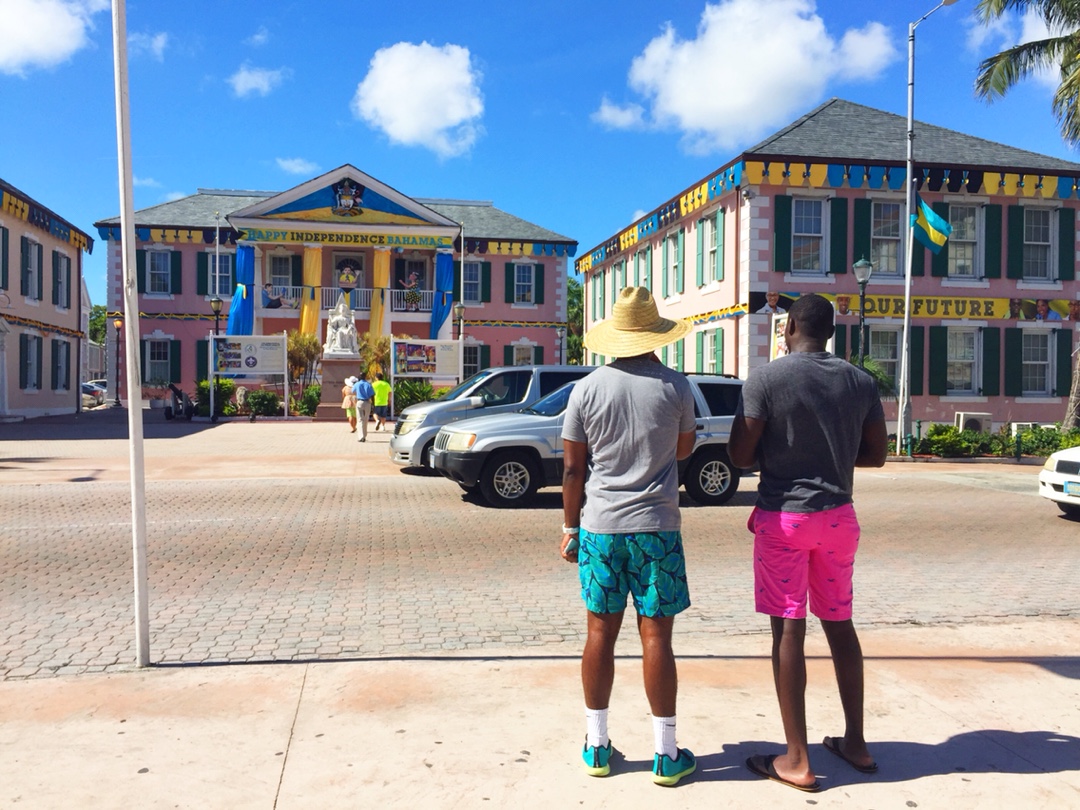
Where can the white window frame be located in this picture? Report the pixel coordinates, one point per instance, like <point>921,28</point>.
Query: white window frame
<point>809,235</point>
<point>972,241</point>
<point>472,275</point>
<point>885,353</point>
<point>156,276</point>
<point>1049,247</point>
<point>220,279</point>
<point>63,270</point>
<point>955,360</point>
<point>708,346</point>
<point>158,360</point>
<point>62,365</point>
<point>277,277</point>
<point>708,240</point>
<point>1032,366</point>
<point>524,286</point>
<point>34,349</point>
<point>34,271</point>
<point>523,354</point>
<point>671,250</point>
<point>880,240</point>
<point>470,359</point>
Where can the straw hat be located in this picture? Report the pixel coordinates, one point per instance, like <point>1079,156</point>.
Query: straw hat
<point>351,380</point>
<point>635,327</point>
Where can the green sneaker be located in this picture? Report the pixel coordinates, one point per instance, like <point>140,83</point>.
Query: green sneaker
<point>667,771</point>
<point>597,759</point>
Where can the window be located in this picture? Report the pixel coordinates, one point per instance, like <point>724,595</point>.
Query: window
<point>708,241</point>
<point>885,350</point>
<point>504,389</point>
<point>671,254</point>
<point>1037,244</point>
<point>61,365</point>
<point>470,282</point>
<point>61,280</point>
<point>807,236</point>
<point>961,369</point>
<point>471,360</point>
<point>523,284</point>
<point>885,239</point>
<point>523,355</point>
<point>31,285</point>
<point>281,271</point>
<point>721,397</point>
<point>598,296</point>
<point>963,241</point>
<point>30,362</point>
<point>158,271</point>
<point>157,361</point>
<point>1035,374</point>
<point>221,274</point>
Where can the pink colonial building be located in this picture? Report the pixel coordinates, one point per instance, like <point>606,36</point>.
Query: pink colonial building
<point>993,315</point>
<point>408,261</point>
<point>43,319</point>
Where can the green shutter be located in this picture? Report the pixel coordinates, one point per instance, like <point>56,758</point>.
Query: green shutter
<point>40,283</point>
<point>856,340</point>
<point>485,282</point>
<point>1014,252</point>
<point>700,275</point>
<point>1066,245</point>
<point>140,270</point>
<point>67,286</point>
<point>508,355</point>
<point>485,357</point>
<point>637,269</point>
<point>176,266</point>
<point>1013,385</point>
<point>838,241</point>
<point>679,349</point>
<point>538,284</point>
<point>863,224</point>
<point>648,268</point>
<point>1064,361</point>
<point>720,220</point>
<point>24,352</point>
<point>509,281</point>
<point>174,361</point>
<point>56,279</point>
<point>54,351</point>
<point>782,233</point>
<point>991,362</point>
<point>939,262</point>
<point>202,274</point>
<point>538,355</point>
<point>719,349</point>
<point>680,263</point>
<point>3,258</point>
<point>297,271</point>
<point>664,355</point>
<point>918,258</point>
<point>840,342</point>
<point>24,266</point>
<point>992,243</point>
<point>664,267</point>
<point>202,362</point>
<point>143,351</point>
<point>39,343</point>
<point>456,295</point>
<point>699,346</point>
<point>917,366</point>
<point>938,384</point>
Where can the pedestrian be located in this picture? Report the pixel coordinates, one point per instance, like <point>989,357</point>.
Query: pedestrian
<point>626,427</point>
<point>364,394</point>
<point>382,400</point>
<point>808,418</point>
<point>348,402</point>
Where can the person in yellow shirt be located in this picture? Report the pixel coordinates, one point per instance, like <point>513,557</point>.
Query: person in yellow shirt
<point>382,400</point>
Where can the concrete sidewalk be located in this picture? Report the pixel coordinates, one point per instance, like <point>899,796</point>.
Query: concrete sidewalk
<point>958,717</point>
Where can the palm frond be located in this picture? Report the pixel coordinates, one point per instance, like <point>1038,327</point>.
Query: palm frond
<point>1059,15</point>
<point>1000,72</point>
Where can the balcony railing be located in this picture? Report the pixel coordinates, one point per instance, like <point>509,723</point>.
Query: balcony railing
<point>411,300</point>
<point>359,299</point>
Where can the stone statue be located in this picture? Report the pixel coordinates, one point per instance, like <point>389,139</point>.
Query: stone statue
<point>341,339</point>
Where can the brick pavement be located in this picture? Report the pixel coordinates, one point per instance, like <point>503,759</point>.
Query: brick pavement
<point>275,541</point>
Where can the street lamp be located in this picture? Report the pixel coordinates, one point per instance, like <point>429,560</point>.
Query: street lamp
<point>903,406</point>
<point>215,305</point>
<point>862,270</point>
<point>560,333</point>
<point>459,320</point>
<point>117,323</point>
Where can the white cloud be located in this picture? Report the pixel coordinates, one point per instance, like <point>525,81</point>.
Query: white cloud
<point>145,182</point>
<point>153,44</point>
<point>297,166</point>
<point>752,65</point>
<point>260,37</point>
<point>422,95</point>
<point>173,196</point>
<point>248,80</point>
<point>1008,31</point>
<point>613,116</point>
<point>43,33</point>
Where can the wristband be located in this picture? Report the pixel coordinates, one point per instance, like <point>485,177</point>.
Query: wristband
<point>571,529</point>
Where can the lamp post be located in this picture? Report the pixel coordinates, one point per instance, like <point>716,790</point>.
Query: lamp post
<point>903,407</point>
<point>560,333</point>
<point>862,270</point>
<point>215,306</point>
<point>459,320</point>
<point>117,324</point>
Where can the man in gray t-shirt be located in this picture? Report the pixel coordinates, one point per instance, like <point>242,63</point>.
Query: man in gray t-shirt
<point>808,419</point>
<point>626,426</point>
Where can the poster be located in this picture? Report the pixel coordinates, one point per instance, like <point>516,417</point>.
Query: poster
<point>237,355</point>
<point>426,358</point>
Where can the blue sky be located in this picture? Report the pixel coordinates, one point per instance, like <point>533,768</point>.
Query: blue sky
<point>577,116</point>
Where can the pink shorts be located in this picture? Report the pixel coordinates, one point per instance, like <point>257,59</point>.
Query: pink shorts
<point>795,552</point>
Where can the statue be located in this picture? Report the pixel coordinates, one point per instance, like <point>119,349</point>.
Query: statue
<point>341,339</point>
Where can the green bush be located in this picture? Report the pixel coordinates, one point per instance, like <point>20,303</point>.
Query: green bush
<point>264,403</point>
<point>948,442</point>
<point>309,401</point>
<point>224,390</point>
<point>409,392</point>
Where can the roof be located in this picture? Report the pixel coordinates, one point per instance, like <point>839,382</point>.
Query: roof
<point>195,211</point>
<point>840,130</point>
<point>22,195</point>
<point>483,220</point>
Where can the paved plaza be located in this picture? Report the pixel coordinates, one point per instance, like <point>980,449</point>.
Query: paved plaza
<point>302,587</point>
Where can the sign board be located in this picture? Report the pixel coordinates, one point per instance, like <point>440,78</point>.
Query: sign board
<point>240,355</point>
<point>426,358</point>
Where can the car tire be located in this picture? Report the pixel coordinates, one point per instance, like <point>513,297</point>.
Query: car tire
<point>1069,509</point>
<point>510,479</point>
<point>711,479</point>
<point>425,459</point>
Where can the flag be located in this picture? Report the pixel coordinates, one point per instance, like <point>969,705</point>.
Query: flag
<point>930,229</point>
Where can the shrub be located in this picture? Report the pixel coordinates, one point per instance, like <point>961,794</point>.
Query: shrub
<point>409,392</point>
<point>264,403</point>
<point>309,401</point>
<point>224,389</point>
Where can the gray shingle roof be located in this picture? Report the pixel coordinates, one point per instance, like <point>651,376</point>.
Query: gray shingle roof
<point>840,130</point>
<point>196,211</point>
<point>484,221</point>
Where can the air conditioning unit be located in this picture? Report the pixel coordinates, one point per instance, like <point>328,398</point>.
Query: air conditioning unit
<point>1019,426</point>
<point>979,422</point>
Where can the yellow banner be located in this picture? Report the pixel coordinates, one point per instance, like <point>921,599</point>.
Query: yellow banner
<point>430,241</point>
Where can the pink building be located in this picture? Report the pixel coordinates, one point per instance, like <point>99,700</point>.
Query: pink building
<point>992,315</point>
<point>404,260</point>
<point>42,319</point>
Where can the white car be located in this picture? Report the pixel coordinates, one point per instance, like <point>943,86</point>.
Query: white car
<point>1060,480</point>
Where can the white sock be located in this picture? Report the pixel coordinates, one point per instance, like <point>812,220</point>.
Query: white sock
<point>664,736</point>
<point>596,724</point>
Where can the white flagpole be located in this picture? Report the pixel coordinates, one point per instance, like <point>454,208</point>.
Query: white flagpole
<point>131,316</point>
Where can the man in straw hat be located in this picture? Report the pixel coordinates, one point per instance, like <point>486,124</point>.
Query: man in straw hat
<point>809,418</point>
<point>627,424</point>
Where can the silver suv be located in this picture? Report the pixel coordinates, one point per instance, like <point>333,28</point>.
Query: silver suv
<point>509,457</point>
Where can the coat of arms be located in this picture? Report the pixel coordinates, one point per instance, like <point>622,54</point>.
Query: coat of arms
<point>347,198</point>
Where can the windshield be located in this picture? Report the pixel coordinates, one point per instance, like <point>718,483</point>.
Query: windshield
<point>462,387</point>
<point>553,404</point>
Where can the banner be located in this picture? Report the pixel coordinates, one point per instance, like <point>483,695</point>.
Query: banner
<point>239,355</point>
<point>945,307</point>
<point>426,358</point>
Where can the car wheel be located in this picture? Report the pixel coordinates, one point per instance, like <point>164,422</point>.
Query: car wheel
<point>509,479</point>
<point>425,458</point>
<point>711,479</point>
<point>1069,509</point>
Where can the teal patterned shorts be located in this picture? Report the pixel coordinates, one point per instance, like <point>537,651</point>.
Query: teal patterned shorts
<point>647,565</point>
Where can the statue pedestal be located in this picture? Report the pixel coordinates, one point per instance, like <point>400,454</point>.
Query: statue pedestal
<point>334,372</point>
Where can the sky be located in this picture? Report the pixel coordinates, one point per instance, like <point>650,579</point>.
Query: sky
<point>577,116</point>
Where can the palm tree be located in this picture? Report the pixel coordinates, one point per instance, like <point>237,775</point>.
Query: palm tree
<point>575,321</point>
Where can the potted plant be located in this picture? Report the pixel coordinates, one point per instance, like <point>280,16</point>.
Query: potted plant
<point>154,391</point>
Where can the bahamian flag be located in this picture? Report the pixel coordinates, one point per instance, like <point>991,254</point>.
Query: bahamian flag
<point>930,229</point>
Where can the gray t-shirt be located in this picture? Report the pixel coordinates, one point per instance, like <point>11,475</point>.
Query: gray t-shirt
<point>630,414</point>
<point>814,405</point>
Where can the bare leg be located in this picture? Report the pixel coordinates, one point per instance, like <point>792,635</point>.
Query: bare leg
<point>848,664</point>
<point>789,673</point>
<point>658,664</point>
<point>598,658</point>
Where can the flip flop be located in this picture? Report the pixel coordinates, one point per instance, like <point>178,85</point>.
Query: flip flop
<point>832,745</point>
<point>766,770</point>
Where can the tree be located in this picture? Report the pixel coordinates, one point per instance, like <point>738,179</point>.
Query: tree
<point>1001,72</point>
<point>98,323</point>
<point>304,352</point>
<point>575,321</point>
